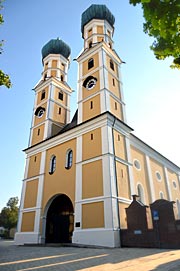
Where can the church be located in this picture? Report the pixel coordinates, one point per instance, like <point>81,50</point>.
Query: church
<point>81,174</point>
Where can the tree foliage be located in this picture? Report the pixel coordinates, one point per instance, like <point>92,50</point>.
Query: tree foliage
<point>4,78</point>
<point>162,21</point>
<point>9,214</point>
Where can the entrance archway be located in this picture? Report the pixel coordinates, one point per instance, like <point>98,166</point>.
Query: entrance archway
<point>60,220</point>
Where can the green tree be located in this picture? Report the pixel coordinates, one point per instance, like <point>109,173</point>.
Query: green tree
<point>9,214</point>
<point>4,78</point>
<point>162,21</point>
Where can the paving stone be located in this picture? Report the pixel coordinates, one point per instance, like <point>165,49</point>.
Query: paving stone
<point>47,258</point>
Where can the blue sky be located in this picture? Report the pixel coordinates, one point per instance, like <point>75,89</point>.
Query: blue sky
<point>151,88</point>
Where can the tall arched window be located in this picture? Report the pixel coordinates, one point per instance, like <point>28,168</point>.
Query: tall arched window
<point>69,159</point>
<point>43,94</point>
<point>90,63</point>
<point>161,195</point>
<point>52,165</point>
<point>60,95</point>
<point>111,64</point>
<point>141,193</point>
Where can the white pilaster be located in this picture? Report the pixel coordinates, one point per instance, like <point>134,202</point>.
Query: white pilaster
<point>151,184</point>
<point>167,184</point>
<point>21,206</point>
<point>106,82</point>
<point>130,170</point>
<point>68,111</point>
<point>78,187</point>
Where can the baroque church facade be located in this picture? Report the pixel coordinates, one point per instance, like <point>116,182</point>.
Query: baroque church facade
<point>80,175</point>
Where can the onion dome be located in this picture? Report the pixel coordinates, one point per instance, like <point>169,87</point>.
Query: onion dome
<point>56,46</point>
<point>97,12</point>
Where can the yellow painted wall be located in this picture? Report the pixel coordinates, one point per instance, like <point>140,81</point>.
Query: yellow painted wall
<point>172,176</point>
<point>114,88</point>
<point>59,117</point>
<point>85,64</point>
<point>31,194</point>
<point>100,29</point>
<point>119,145</point>
<point>54,64</point>
<point>91,147</point>
<point>140,176</point>
<point>28,222</point>
<point>53,73</point>
<point>89,32</point>
<point>92,180</point>
<point>122,213</point>
<point>123,180</point>
<point>62,66</point>
<point>62,181</point>
<point>38,138</point>
<point>116,112</point>
<point>115,72</point>
<point>45,66</point>
<point>99,39</point>
<point>158,185</point>
<point>89,112</point>
<point>93,215</point>
<point>56,93</point>
<point>41,119</point>
<point>34,165</point>
<point>39,95</point>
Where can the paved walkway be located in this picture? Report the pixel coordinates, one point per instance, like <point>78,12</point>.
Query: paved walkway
<point>24,258</point>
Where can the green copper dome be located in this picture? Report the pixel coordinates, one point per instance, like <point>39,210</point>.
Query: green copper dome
<point>56,46</point>
<point>97,12</point>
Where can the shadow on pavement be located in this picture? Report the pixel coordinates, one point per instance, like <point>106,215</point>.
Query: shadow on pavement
<point>172,266</point>
<point>24,258</point>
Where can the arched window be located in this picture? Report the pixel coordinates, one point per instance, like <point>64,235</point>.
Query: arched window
<point>141,193</point>
<point>90,44</point>
<point>43,94</point>
<point>158,176</point>
<point>69,159</point>
<point>111,64</point>
<point>161,195</point>
<point>52,166</point>
<point>90,63</point>
<point>60,95</point>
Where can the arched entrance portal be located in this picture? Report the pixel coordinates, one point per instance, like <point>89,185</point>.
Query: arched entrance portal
<point>60,220</point>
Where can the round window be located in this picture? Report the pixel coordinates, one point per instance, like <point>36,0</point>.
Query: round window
<point>137,164</point>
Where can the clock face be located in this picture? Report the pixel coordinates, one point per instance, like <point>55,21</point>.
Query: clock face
<point>39,112</point>
<point>91,83</point>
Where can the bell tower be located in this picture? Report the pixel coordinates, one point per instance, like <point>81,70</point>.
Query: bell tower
<point>52,94</point>
<point>100,86</point>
